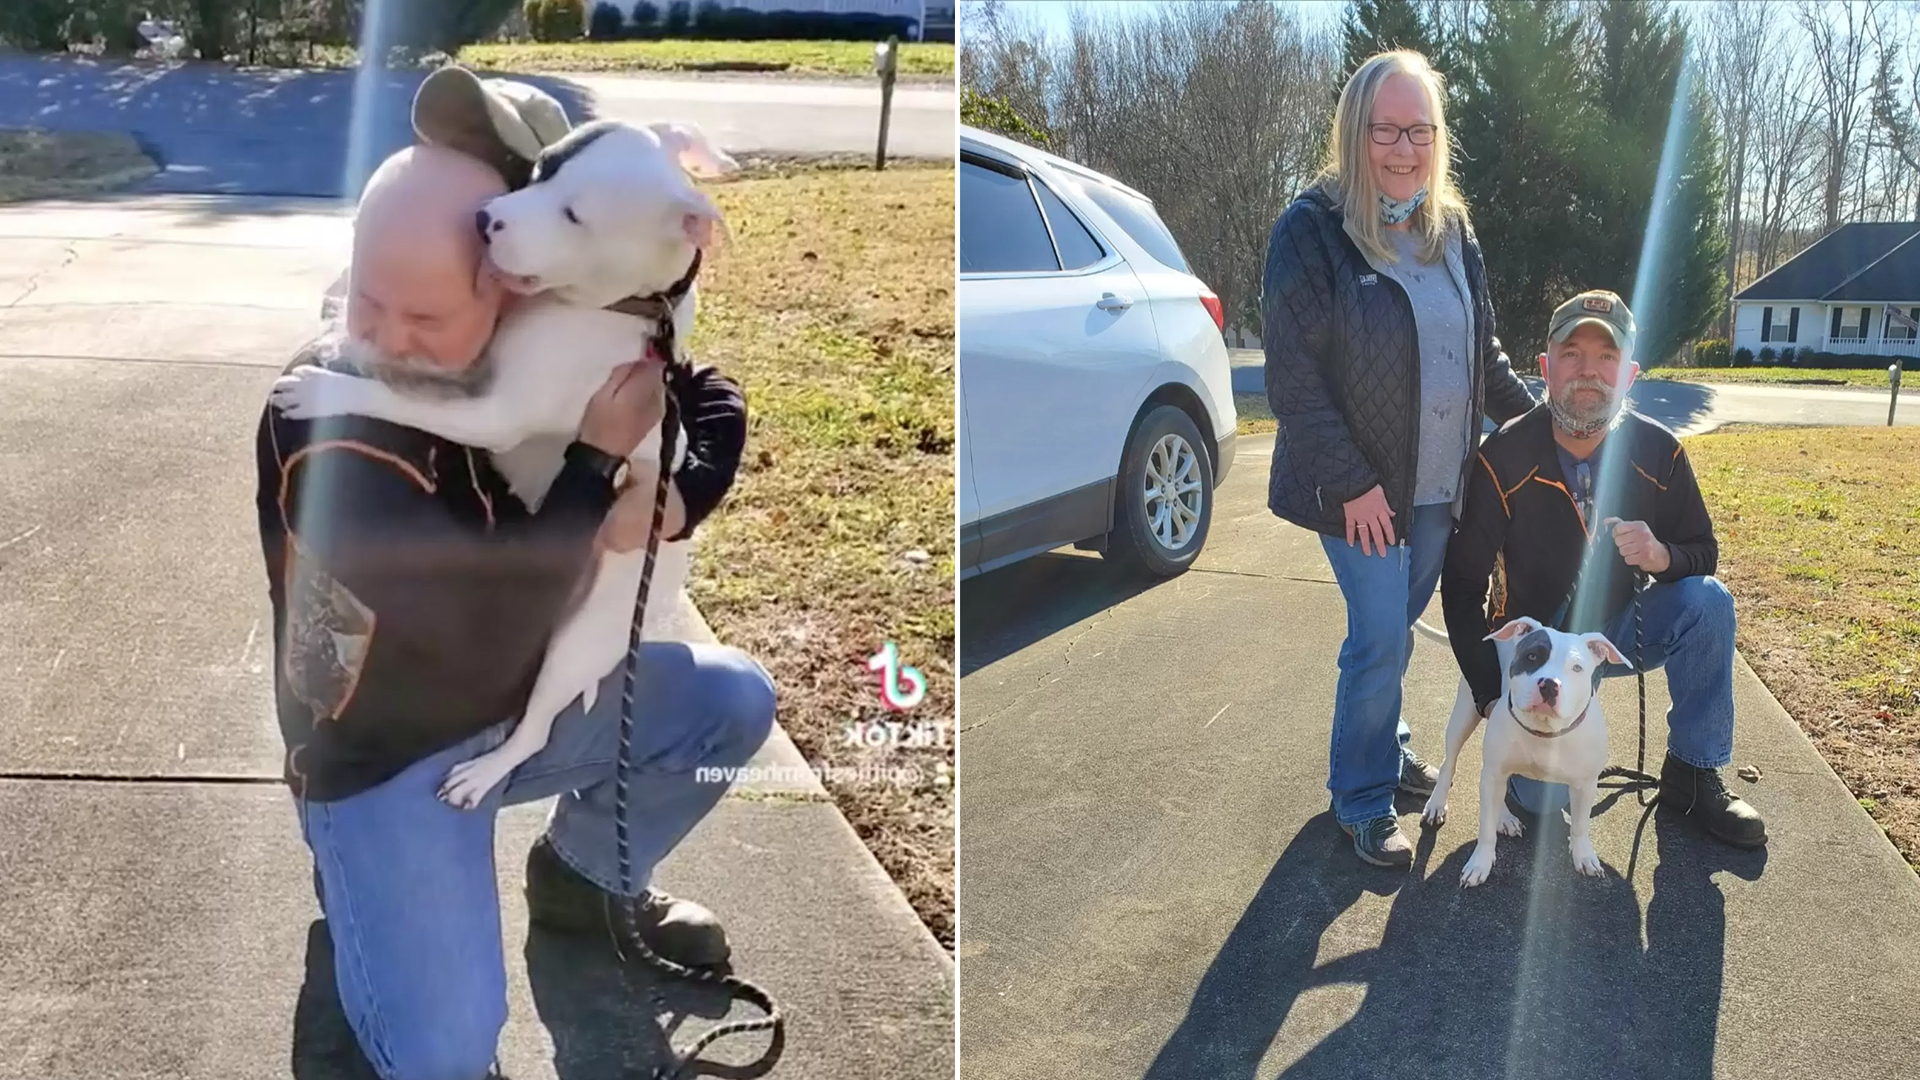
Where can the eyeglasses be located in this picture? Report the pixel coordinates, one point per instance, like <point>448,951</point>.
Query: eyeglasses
<point>1388,134</point>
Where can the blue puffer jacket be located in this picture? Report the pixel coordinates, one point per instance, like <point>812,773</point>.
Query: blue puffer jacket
<point>1343,370</point>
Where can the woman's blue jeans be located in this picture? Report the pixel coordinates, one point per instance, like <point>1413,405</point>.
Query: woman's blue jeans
<point>1385,593</point>
<point>408,883</point>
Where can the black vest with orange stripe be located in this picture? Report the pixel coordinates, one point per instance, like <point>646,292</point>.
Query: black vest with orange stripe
<point>1547,567</point>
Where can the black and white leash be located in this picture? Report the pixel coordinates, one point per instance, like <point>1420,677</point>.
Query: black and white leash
<point>627,941</point>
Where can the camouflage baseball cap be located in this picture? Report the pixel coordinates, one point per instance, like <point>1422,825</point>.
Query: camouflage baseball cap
<point>1602,309</point>
<point>502,122</point>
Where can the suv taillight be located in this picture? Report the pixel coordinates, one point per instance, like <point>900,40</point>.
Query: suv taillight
<point>1212,303</point>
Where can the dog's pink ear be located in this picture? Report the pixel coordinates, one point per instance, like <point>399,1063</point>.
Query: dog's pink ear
<point>1519,626</point>
<point>701,221</point>
<point>692,149</point>
<point>1603,650</point>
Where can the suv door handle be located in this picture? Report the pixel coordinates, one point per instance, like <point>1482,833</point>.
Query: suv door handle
<point>1113,302</point>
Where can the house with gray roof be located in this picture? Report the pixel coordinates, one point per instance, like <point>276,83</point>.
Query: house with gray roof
<point>1854,290</point>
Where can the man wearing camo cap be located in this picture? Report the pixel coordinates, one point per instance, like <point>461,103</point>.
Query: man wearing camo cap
<point>1569,502</point>
<point>413,597</point>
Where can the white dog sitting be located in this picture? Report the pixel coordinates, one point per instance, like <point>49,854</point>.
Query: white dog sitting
<point>1547,726</point>
<point>609,216</point>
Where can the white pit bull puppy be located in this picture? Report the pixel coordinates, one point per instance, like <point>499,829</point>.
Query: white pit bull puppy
<point>1547,726</point>
<point>610,214</point>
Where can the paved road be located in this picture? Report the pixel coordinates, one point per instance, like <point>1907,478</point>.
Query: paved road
<point>1693,408</point>
<point>1153,882</point>
<point>156,912</point>
<point>266,132</point>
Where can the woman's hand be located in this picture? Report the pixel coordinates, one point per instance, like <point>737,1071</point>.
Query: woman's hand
<point>1369,518</point>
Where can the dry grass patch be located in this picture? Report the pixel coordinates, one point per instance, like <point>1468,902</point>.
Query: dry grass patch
<point>833,306</point>
<point>37,164</point>
<point>1875,378</point>
<point>1820,543</point>
<point>1255,417</point>
<point>846,59</point>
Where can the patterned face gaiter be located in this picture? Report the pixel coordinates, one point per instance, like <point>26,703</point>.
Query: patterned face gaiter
<point>1393,211</point>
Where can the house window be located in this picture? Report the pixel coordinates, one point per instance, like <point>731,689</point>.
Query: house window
<point>1850,323</point>
<point>1771,330</point>
<point>1891,330</point>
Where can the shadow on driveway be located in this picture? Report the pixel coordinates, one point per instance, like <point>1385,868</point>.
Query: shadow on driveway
<point>1536,973</point>
<point>218,130</point>
<point>602,1019</point>
<point>1008,609</point>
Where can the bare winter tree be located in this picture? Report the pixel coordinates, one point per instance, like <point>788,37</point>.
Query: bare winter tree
<point>1840,37</point>
<point>1741,38</point>
<point>1202,107</point>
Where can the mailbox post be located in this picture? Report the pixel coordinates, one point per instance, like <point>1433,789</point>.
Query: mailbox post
<point>886,59</point>
<point>1893,376</point>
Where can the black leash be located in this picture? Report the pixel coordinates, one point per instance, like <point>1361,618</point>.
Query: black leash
<point>627,942</point>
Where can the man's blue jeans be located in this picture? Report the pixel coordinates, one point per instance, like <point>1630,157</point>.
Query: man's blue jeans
<point>407,882</point>
<point>1689,627</point>
<point>1384,594</point>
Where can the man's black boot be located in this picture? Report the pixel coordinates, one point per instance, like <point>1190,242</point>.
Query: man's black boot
<point>1703,797</point>
<point>682,931</point>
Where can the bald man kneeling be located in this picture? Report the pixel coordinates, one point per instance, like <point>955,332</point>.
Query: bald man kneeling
<point>413,596</point>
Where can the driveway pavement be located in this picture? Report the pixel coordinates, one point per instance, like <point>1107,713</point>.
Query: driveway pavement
<point>1153,881</point>
<point>216,130</point>
<point>156,912</point>
<point>1696,408</point>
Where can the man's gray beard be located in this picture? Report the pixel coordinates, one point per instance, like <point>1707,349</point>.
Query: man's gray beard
<point>1585,423</point>
<point>410,375</point>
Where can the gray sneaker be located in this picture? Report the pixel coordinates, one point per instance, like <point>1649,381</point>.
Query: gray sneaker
<point>1381,842</point>
<point>1416,776</point>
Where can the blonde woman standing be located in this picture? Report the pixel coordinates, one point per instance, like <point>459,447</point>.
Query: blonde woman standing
<point>1381,360</point>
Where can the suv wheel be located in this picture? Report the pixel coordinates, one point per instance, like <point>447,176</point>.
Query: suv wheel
<point>1166,495</point>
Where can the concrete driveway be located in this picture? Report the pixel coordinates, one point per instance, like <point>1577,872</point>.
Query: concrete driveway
<point>156,909</point>
<point>1153,881</point>
<point>216,130</point>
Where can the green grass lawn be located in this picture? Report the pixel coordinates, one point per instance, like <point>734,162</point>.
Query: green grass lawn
<point>842,58</point>
<point>37,164</point>
<point>1873,377</point>
<point>1819,532</point>
<point>832,304</point>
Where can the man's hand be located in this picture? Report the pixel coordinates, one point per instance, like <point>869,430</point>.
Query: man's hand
<point>1637,545</point>
<point>631,519</point>
<point>632,403</point>
<point>1369,518</point>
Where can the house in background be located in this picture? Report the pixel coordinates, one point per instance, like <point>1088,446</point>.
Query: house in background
<point>1855,290</point>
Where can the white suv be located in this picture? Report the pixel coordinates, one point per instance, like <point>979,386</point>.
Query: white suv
<point>1096,401</point>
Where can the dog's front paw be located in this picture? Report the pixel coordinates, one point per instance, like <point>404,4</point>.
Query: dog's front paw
<point>1435,815</point>
<point>467,783</point>
<point>309,392</point>
<point>1509,824</point>
<point>1587,861</point>
<point>1476,870</point>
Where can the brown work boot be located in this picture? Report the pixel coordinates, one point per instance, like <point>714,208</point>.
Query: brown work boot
<point>560,899</point>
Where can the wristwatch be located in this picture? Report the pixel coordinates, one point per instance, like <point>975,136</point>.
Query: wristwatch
<point>608,467</point>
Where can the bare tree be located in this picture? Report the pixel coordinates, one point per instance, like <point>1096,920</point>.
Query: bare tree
<point>1841,40</point>
<point>1741,40</point>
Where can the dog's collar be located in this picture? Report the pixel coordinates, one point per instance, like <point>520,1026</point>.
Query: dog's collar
<point>660,307</point>
<point>1577,721</point>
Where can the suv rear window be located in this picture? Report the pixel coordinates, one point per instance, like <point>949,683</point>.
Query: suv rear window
<point>1136,216</point>
<point>1000,224</point>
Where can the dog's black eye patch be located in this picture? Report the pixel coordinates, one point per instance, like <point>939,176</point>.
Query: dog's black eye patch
<point>1532,653</point>
<point>557,155</point>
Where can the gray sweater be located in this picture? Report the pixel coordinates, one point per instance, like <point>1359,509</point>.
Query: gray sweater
<point>1438,293</point>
